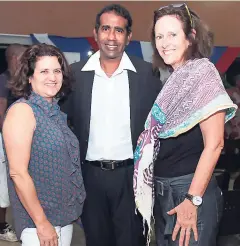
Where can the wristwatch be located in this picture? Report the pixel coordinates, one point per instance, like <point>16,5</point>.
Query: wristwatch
<point>196,200</point>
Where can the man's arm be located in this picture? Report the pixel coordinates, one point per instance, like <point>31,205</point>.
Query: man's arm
<point>67,104</point>
<point>154,79</point>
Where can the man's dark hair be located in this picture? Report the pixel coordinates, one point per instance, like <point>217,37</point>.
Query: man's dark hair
<point>19,83</point>
<point>118,10</point>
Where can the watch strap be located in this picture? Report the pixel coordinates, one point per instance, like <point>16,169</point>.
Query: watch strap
<point>189,197</point>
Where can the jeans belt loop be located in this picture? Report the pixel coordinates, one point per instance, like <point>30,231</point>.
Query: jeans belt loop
<point>160,187</point>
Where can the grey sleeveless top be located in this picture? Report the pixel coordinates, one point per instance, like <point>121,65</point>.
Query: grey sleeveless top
<point>54,167</point>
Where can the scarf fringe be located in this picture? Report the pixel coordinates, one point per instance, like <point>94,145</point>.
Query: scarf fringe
<point>144,221</point>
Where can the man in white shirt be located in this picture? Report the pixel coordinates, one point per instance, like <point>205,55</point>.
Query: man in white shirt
<point>112,97</point>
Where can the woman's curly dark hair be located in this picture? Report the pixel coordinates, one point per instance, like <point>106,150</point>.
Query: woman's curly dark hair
<point>19,83</point>
<point>201,45</point>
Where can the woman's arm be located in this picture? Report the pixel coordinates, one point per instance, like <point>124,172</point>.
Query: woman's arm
<point>213,137</point>
<point>18,129</point>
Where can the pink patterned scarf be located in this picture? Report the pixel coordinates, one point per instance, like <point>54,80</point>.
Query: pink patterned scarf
<point>192,93</point>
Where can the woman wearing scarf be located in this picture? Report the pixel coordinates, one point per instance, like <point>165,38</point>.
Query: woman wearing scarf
<point>184,134</point>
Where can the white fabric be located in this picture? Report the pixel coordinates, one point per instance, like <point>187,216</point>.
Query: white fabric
<point>71,57</point>
<point>29,236</point>
<point>4,198</point>
<point>43,38</point>
<point>110,132</point>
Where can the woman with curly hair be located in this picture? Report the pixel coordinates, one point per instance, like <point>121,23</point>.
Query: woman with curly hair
<point>44,172</point>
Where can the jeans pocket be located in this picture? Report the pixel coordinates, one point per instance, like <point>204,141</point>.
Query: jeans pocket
<point>180,193</point>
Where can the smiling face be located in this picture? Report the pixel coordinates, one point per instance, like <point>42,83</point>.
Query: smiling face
<point>112,36</point>
<point>47,78</point>
<point>171,41</point>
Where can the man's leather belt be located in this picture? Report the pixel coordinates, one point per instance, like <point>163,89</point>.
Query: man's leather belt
<point>111,165</point>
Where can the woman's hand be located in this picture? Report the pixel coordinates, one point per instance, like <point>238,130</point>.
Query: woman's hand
<point>47,234</point>
<point>186,221</point>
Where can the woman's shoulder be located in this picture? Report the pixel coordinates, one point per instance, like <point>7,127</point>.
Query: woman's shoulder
<point>203,63</point>
<point>19,116</point>
<point>20,108</point>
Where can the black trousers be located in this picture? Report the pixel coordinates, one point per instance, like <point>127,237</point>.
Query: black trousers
<point>109,217</point>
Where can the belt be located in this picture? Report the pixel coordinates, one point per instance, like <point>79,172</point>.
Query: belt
<point>164,188</point>
<point>111,165</point>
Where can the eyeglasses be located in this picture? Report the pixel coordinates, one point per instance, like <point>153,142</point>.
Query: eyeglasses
<point>179,6</point>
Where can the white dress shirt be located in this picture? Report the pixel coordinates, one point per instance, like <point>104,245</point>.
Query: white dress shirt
<point>110,132</point>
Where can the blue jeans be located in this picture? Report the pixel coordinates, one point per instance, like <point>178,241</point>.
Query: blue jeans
<point>170,192</point>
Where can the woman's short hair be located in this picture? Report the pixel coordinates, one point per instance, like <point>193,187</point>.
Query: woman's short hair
<point>19,83</point>
<point>201,44</point>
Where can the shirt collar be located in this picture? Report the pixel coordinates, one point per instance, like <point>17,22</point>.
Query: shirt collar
<point>93,64</point>
<point>50,109</point>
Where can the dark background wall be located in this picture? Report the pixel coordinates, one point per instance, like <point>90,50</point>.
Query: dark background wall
<point>3,63</point>
<point>77,18</point>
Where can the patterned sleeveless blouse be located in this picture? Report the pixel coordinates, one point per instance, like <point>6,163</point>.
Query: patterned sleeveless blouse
<point>54,167</point>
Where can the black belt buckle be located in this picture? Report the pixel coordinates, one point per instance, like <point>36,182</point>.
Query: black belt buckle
<point>112,167</point>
